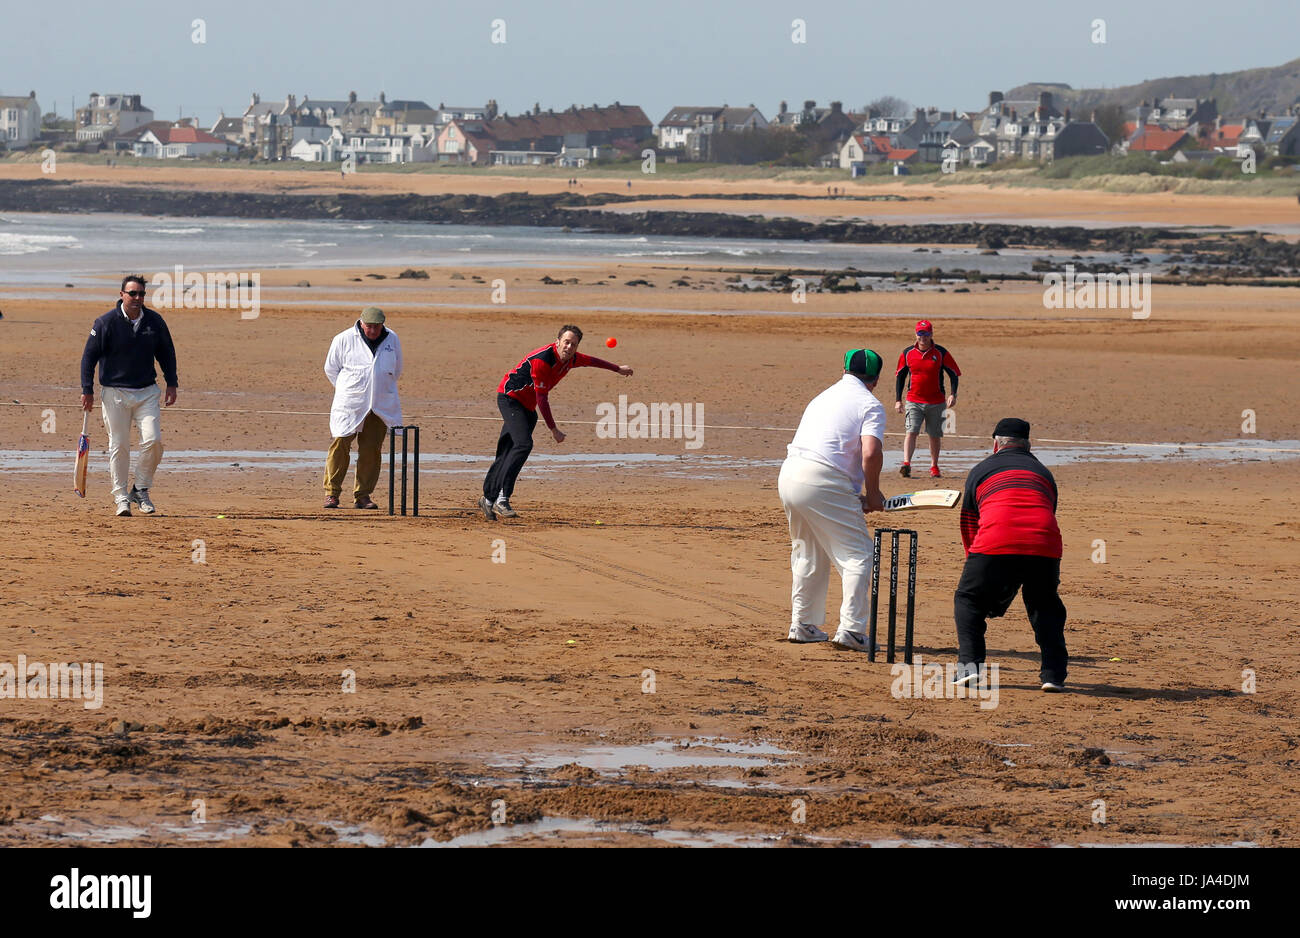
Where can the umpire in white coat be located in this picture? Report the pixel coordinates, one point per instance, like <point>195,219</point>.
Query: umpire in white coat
<point>363,364</point>
<point>830,476</point>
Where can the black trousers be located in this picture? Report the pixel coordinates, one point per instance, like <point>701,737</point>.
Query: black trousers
<point>513,447</point>
<point>989,583</point>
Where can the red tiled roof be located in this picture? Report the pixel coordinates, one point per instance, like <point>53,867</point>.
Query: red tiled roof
<point>1227,135</point>
<point>187,135</point>
<point>1130,127</point>
<point>900,154</point>
<point>1153,139</point>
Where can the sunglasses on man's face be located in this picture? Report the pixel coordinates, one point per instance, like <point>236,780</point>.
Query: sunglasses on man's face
<point>136,293</point>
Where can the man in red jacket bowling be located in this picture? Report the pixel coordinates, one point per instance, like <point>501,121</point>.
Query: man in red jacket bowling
<point>1008,527</point>
<point>523,392</point>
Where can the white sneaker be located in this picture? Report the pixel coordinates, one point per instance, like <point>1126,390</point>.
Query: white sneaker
<point>968,673</point>
<point>124,508</point>
<point>803,634</point>
<point>1053,687</point>
<point>850,641</point>
<point>502,507</point>
<point>141,498</point>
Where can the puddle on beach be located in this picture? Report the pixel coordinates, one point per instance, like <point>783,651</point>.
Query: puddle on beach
<point>687,465</point>
<point>659,754</point>
<point>72,829</point>
<point>59,829</point>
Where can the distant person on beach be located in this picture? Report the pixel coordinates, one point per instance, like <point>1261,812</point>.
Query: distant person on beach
<point>524,391</point>
<point>364,364</point>
<point>124,343</point>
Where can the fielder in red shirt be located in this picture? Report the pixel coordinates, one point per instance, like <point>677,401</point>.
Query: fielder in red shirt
<point>921,368</point>
<point>1013,544</point>
<point>521,394</point>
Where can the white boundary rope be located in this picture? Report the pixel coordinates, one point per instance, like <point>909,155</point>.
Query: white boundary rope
<point>591,423</point>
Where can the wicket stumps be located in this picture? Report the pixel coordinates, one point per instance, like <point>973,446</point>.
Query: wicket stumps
<point>893,594</point>
<point>392,467</point>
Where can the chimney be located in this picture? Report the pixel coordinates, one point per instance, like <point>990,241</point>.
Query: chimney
<point>381,98</point>
<point>995,97</point>
<point>782,109</point>
<point>1067,115</point>
<point>837,107</point>
<point>256,99</point>
<point>31,94</point>
<point>1044,99</point>
<point>809,105</point>
<point>1093,117</point>
<point>352,97</point>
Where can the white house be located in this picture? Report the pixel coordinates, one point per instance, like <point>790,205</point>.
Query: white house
<point>20,121</point>
<point>176,142</point>
<point>859,149</point>
<point>683,127</point>
<point>367,148</point>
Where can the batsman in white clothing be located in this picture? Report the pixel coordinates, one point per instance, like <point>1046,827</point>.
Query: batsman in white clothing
<point>830,477</point>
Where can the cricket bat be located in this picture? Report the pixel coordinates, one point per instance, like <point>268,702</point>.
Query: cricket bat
<point>931,498</point>
<point>83,458</point>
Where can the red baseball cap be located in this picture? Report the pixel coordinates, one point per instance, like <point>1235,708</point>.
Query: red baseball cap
<point>924,326</point>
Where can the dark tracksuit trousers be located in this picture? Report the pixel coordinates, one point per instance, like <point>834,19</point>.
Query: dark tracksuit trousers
<point>988,585</point>
<point>513,447</point>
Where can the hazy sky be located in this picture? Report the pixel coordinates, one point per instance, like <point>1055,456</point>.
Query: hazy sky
<point>655,53</point>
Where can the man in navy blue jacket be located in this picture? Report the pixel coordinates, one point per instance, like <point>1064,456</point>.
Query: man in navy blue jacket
<point>124,342</point>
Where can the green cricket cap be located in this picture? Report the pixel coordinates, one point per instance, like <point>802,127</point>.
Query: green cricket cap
<point>862,361</point>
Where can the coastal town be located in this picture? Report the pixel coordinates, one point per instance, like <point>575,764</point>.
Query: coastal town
<point>885,137</point>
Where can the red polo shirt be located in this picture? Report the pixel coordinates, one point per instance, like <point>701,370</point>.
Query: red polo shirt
<point>924,373</point>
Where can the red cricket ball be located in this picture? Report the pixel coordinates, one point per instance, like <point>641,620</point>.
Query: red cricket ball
<point>611,342</point>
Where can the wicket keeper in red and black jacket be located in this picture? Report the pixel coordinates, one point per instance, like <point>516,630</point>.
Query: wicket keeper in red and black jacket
<point>521,394</point>
<point>1013,544</point>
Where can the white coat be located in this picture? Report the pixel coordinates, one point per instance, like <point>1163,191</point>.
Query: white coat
<point>363,381</point>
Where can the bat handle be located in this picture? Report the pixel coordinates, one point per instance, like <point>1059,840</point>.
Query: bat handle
<point>85,421</point>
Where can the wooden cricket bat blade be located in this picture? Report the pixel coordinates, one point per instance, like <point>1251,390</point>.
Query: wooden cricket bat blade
<point>83,459</point>
<point>931,498</point>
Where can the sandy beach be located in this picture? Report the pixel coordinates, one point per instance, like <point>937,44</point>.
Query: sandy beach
<point>924,202</point>
<point>521,685</point>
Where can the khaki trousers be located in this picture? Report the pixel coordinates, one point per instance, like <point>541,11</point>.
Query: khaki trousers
<point>370,445</point>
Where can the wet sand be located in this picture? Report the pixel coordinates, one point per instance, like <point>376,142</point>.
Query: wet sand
<point>521,682</point>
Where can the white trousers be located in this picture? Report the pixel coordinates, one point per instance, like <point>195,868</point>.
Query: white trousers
<point>121,406</point>
<point>826,527</point>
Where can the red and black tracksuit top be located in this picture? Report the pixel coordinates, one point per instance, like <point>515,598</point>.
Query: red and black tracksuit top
<point>1009,507</point>
<point>532,379</point>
